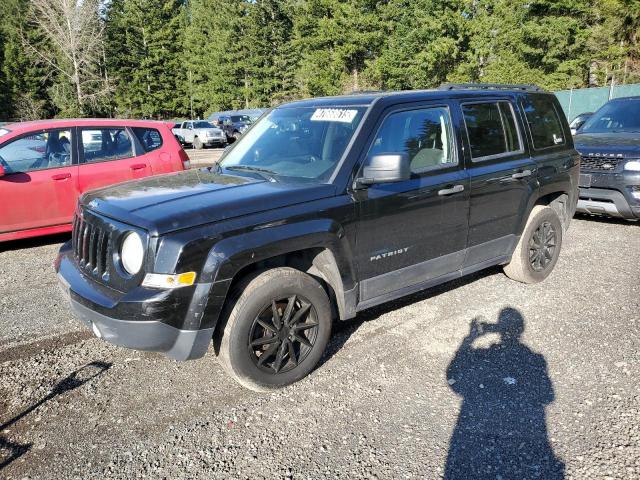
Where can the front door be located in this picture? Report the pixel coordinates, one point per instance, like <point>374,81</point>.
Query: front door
<point>413,231</point>
<point>39,188</point>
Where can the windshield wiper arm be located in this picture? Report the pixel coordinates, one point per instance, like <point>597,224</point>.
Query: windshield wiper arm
<point>248,168</point>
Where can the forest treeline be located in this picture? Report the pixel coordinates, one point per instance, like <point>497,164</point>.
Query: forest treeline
<point>175,58</point>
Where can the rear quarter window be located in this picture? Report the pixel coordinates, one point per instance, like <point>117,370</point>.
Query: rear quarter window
<point>544,121</point>
<point>149,138</point>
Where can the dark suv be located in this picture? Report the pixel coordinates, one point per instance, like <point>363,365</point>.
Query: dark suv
<point>324,208</point>
<point>609,143</point>
<point>234,125</point>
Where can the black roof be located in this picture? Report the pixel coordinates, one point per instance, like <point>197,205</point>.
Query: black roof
<point>447,90</point>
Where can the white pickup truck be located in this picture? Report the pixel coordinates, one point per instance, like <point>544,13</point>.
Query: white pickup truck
<point>199,133</point>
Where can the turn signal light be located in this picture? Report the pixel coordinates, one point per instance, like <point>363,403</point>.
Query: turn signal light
<point>160,280</point>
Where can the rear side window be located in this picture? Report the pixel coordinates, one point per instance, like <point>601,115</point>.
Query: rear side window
<point>544,121</point>
<point>105,144</point>
<point>491,129</point>
<point>149,138</point>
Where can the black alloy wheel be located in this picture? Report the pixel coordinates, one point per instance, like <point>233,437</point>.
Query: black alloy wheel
<point>283,334</point>
<point>542,246</point>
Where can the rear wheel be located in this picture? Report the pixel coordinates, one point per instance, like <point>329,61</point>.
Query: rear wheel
<point>277,329</point>
<point>539,246</point>
<point>197,143</point>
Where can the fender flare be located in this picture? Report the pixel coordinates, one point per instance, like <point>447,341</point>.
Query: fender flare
<point>230,255</point>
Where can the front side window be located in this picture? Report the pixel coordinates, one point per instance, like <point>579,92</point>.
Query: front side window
<point>544,122</point>
<point>105,144</point>
<point>613,117</point>
<point>41,151</point>
<point>491,129</point>
<point>299,142</point>
<point>425,135</point>
<point>149,138</point>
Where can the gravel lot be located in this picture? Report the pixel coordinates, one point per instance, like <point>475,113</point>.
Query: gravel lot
<point>548,387</point>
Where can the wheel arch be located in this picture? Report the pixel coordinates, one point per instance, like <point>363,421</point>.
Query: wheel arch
<point>558,200</point>
<point>322,252</point>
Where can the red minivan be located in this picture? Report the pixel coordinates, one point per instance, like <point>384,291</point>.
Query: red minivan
<point>45,165</point>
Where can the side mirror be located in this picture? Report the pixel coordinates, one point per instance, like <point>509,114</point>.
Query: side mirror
<point>386,168</point>
<point>2,172</point>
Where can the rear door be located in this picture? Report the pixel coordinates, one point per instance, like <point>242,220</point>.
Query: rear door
<point>160,157</point>
<point>108,156</point>
<point>40,185</point>
<point>503,176</point>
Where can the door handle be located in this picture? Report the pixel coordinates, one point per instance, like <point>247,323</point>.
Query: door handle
<point>138,166</point>
<point>61,176</point>
<point>523,174</point>
<point>452,190</point>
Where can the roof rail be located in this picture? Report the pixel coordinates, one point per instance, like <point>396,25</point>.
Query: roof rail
<point>489,86</point>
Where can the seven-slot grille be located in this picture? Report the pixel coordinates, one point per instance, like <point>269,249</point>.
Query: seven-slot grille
<point>91,247</point>
<point>599,163</point>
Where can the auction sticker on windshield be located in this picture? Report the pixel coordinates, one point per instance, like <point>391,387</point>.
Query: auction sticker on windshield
<point>333,115</point>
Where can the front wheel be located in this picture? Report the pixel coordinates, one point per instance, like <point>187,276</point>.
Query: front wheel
<point>538,248</point>
<point>277,329</point>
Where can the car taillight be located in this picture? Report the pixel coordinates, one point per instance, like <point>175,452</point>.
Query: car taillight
<point>184,158</point>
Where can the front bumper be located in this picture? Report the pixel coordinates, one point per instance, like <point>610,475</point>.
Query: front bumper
<point>143,319</point>
<point>214,140</point>
<point>609,194</point>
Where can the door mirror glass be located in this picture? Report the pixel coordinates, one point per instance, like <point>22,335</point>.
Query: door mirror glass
<point>386,168</point>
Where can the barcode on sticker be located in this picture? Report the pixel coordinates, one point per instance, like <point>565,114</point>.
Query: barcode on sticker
<point>333,115</point>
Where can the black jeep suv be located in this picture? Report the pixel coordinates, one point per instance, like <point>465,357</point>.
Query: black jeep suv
<point>324,208</point>
<point>609,143</point>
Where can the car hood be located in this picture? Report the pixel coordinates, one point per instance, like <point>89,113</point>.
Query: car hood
<point>186,199</point>
<point>608,144</point>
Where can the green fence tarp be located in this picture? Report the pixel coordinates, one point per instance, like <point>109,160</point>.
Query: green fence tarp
<point>577,101</point>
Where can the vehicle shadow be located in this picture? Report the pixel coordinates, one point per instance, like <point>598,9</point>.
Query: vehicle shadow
<point>342,330</point>
<point>501,430</point>
<point>34,242</point>
<point>9,450</point>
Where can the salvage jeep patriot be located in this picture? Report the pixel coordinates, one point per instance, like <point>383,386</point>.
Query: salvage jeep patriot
<point>324,208</point>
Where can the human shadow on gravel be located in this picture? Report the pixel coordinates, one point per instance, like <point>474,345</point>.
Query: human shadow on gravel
<point>10,451</point>
<point>501,430</point>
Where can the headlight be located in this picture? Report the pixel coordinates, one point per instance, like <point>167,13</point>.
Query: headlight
<point>633,166</point>
<point>132,253</point>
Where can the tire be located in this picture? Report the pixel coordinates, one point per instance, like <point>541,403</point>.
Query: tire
<point>251,332</point>
<point>538,249</point>
<point>197,144</point>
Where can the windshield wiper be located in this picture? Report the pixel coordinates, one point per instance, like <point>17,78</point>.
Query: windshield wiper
<point>269,174</point>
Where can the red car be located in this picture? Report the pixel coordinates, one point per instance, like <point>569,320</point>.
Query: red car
<point>45,165</point>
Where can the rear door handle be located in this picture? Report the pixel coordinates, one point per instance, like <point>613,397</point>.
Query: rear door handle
<point>452,190</point>
<point>138,166</point>
<point>61,176</point>
<point>523,174</point>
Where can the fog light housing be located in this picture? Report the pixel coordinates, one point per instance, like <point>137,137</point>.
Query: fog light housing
<point>161,280</point>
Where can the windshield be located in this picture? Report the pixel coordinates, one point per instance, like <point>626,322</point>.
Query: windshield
<point>616,116</point>
<point>304,143</point>
<point>240,119</point>
<point>202,125</point>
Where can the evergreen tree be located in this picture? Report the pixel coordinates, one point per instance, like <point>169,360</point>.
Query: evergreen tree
<point>144,45</point>
<point>336,40</point>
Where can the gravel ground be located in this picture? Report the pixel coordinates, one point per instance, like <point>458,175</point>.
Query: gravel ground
<point>478,378</point>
